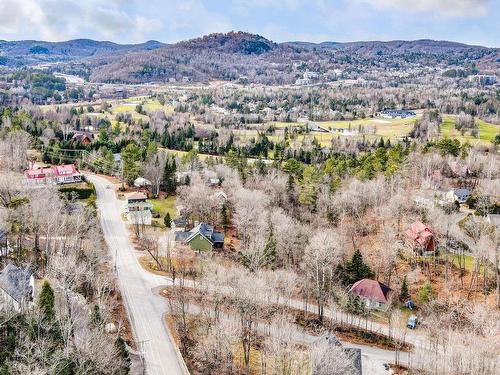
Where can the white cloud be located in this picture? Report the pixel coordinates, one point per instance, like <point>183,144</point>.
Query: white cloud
<point>116,20</point>
<point>451,8</point>
<point>15,15</point>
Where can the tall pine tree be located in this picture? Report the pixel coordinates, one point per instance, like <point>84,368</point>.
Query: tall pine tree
<point>169,179</point>
<point>270,248</point>
<point>46,300</point>
<point>404,295</point>
<point>354,270</point>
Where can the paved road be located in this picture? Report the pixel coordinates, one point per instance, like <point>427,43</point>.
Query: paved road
<point>145,309</point>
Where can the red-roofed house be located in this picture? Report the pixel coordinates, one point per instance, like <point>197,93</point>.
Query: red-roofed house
<point>59,174</point>
<point>422,238</point>
<point>376,295</point>
<point>39,175</point>
<point>66,174</point>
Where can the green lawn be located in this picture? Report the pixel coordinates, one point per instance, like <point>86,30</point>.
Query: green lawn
<point>487,131</point>
<point>281,124</point>
<point>128,105</point>
<point>163,206</point>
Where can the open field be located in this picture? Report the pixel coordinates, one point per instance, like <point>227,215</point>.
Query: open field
<point>375,128</point>
<point>487,131</point>
<point>392,129</point>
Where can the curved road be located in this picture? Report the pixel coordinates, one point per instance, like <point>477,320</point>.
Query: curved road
<point>145,310</point>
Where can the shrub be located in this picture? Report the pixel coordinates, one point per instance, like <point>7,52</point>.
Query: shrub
<point>425,295</point>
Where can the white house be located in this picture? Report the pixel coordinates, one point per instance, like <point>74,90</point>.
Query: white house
<point>138,210</point>
<point>178,224</point>
<point>66,174</point>
<point>494,219</point>
<point>17,288</point>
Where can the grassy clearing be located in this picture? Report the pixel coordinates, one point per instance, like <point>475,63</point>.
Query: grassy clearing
<point>164,205</point>
<point>180,154</point>
<point>281,124</point>
<point>392,129</point>
<point>487,131</point>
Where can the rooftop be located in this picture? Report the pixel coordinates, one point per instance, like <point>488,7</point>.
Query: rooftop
<point>65,169</point>
<point>15,282</point>
<point>371,289</point>
<point>419,232</point>
<point>136,196</point>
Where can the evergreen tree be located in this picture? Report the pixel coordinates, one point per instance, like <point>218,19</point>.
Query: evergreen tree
<point>270,248</point>
<point>96,317</point>
<point>425,295</point>
<point>169,178</point>
<point>167,220</point>
<point>354,270</point>
<point>224,216</point>
<point>130,156</point>
<point>122,352</point>
<point>46,300</point>
<point>404,295</point>
<point>355,305</point>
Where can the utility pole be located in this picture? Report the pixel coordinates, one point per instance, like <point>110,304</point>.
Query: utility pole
<point>122,178</point>
<point>141,355</point>
<point>116,255</point>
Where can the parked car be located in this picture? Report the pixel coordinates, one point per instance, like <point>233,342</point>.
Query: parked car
<point>412,322</point>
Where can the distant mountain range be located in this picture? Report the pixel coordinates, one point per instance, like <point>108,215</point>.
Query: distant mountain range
<point>27,52</point>
<point>239,55</point>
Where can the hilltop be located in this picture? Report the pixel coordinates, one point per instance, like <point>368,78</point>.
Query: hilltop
<point>241,56</point>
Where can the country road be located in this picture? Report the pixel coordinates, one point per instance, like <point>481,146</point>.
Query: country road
<point>145,309</point>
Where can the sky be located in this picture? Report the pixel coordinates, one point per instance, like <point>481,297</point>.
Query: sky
<point>134,21</point>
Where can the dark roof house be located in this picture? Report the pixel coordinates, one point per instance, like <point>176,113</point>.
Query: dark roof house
<point>16,287</point>
<point>178,223</point>
<point>85,138</point>
<point>354,354</point>
<point>201,238</point>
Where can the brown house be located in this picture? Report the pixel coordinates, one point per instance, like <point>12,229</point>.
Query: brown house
<point>82,137</point>
<point>375,294</point>
<point>422,238</point>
